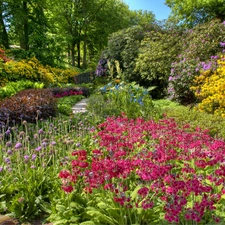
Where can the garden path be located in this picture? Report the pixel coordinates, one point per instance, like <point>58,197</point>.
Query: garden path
<point>80,106</point>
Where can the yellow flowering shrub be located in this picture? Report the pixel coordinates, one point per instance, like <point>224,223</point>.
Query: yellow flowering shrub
<point>32,69</point>
<point>210,89</point>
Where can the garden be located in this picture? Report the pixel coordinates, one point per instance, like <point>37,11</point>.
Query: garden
<point>150,150</point>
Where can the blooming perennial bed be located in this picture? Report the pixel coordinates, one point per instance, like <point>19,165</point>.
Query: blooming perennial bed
<point>152,170</point>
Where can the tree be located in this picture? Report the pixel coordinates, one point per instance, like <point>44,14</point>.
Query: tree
<point>3,33</point>
<point>192,12</point>
<point>141,17</point>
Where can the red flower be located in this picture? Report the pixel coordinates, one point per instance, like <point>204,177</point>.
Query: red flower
<point>67,189</point>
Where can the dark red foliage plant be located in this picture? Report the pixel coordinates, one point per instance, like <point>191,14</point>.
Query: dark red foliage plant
<point>27,105</point>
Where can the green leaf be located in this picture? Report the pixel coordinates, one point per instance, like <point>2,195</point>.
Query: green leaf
<point>88,223</point>
<point>60,208</point>
<point>102,205</point>
<point>134,193</point>
<point>64,221</point>
<point>114,212</point>
<point>74,219</point>
<point>101,217</point>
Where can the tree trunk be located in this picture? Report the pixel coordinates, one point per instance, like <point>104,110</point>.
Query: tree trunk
<point>4,35</point>
<point>85,50</point>
<point>78,54</point>
<point>24,39</point>
<point>73,44</point>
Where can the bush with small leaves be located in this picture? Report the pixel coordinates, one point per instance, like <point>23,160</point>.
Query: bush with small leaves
<point>29,105</point>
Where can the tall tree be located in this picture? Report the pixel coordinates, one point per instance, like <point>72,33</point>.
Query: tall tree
<point>192,12</point>
<point>4,40</point>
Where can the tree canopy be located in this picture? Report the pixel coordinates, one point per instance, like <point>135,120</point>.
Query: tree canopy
<point>192,12</point>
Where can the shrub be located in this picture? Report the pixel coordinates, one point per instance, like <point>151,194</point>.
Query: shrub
<point>198,44</point>
<point>156,53</point>
<point>28,105</point>
<point>210,90</point>
<point>3,59</point>
<point>131,99</point>
<point>32,69</point>
<point>12,88</point>
<point>3,56</point>
<point>123,47</point>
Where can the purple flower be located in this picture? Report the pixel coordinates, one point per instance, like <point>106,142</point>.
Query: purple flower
<point>224,22</point>
<point>41,131</point>
<point>53,143</point>
<point>26,158</point>
<point>33,157</point>
<point>170,78</point>
<point>172,71</point>
<point>18,145</point>
<point>7,160</point>
<point>222,44</point>
<point>197,69</point>
<point>78,144</point>
<point>38,149</point>
<point>1,168</point>
<point>7,132</point>
<point>44,144</point>
<point>8,144</point>
<point>9,152</point>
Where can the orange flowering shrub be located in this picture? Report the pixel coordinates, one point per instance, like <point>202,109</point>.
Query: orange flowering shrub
<point>210,89</point>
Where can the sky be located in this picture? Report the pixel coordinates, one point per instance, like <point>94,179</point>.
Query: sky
<point>158,7</point>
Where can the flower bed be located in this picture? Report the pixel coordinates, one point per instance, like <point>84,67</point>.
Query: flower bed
<point>146,172</point>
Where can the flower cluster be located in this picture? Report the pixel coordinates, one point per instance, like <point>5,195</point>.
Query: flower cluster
<point>209,89</point>
<point>102,68</point>
<point>68,93</point>
<point>3,57</point>
<point>197,48</point>
<point>165,165</point>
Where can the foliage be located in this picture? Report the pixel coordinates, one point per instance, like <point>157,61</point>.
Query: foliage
<point>123,47</point>
<point>198,45</point>
<point>156,53</point>
<point>3,57</point>
<point>64,104</point>
<point>185,115</point>
<point>209,89</point>
<point>30,160</point>
<point>32,69</point>
<point>123,98</point>
<point>146,171</point>
<point>27,105</point>
<point>12,88</point>
<point>192,12</point>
